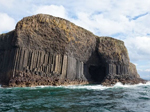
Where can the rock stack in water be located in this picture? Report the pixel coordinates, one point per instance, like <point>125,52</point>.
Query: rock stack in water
<point>46,50</point>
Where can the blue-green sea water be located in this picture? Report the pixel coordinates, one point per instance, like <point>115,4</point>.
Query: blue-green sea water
<point>81,98</point>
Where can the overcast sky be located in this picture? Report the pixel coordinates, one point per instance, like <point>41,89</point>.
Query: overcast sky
<point>127,20</point>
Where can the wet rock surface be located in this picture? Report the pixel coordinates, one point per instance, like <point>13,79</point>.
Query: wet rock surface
<point>46,50</point>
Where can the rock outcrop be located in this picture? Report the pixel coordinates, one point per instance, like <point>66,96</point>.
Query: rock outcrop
<point>45,50</point>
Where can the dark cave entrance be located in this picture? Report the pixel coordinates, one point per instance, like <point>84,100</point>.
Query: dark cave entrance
<point>98,73</point>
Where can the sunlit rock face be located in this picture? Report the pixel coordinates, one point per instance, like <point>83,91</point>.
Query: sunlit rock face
<point>46,50</point>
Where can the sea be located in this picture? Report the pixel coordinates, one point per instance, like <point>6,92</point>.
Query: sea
<point>79,98</point>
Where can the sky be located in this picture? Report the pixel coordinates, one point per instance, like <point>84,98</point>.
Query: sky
<point>127,20</point>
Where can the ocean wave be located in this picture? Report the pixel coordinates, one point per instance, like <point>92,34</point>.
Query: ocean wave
<point>119,84</point>
<point>95,87</point>
<point>88,87</point>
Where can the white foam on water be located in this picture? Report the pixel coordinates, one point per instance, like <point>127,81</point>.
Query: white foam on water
<point>101,87</point>
<point>42,86</point>
<point>89,87</point>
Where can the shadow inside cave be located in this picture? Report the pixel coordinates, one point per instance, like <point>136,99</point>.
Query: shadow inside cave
<point>95,70</point>
<point>98,73</point>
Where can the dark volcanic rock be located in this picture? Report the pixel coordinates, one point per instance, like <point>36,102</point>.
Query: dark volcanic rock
<point>45,50</point>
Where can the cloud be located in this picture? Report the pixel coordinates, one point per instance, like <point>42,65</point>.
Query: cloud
<point>145,74</point>
<point>6,3</point>
<point>58,11</point>
<point>99,24</point>
<point>138,48</point>
<point>120,19</point>
<point>7,23</point>
<point>148,70</point>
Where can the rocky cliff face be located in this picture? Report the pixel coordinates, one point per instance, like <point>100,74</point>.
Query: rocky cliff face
<point>45,50</point>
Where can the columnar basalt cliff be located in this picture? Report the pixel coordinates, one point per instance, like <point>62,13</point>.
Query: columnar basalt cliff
<point>46,50</point>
